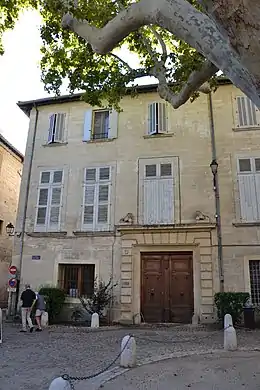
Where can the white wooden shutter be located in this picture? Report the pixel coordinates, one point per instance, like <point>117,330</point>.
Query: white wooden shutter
<point>59,127</point>
<point>113,124</point>
<point>158,201</point>
<point>87,125</point>
<point>248,199</point>
<point>55,207</point>
<point>157,118</point>
<point>89,204</point>
<point>42,206</point>
<point>151,119</point>
<point>247,112</point>
<point>51,129</point>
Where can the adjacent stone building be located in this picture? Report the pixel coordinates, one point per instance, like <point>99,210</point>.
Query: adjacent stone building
<point>131,196</point>
<point>11,163</point>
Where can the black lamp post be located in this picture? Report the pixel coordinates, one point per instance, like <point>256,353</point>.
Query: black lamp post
<point>214,170</point>
<point>10,229</point>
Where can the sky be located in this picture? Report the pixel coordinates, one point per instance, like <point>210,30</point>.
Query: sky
<point>20,76</point>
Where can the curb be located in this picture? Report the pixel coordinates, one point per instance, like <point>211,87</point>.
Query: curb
<point>113,373</point>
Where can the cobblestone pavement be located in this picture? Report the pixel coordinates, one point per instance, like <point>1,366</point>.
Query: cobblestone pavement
<point>229,371</point>
<point>30,361</point>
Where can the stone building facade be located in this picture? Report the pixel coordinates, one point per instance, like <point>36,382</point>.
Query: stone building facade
<point>130,196</point>
<point>11,164</point>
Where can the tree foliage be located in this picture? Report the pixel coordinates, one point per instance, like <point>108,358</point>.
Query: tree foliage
<point>104,77</point>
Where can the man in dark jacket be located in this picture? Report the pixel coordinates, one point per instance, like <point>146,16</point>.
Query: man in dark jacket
<point>28,297</point>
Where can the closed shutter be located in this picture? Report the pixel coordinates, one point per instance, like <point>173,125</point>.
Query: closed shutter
<point>113,124</point>
<point>55,207</point>
<point>59,128</point>
<point>158,201</point>
<point>89,202</point>
<point>42,206</point>
<point>248,199</point>
<point>247,113</point>
<point>87,125</point>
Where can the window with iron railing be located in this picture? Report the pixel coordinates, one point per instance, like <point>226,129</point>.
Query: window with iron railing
<point>77,279</point>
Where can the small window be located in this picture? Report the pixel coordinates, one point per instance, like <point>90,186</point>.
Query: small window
<point>1,226</point>
<point>150,170</point>
<point>57,176</point>
<point>45,177</point>
<point>77,280</point>
<point>166,169</point>
<point>244,165</point>
<point>254,271</point>
<point>91,174</point>
<point>104,173</point>
<point>100,125</point>
<point>257,164</point>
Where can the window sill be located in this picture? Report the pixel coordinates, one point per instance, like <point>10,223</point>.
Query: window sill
<point>47,234</point>
<point>81,233</point>
<point>246,224</point>
<point>159,135</point>
<point>55,144</point>
<point>248,128</point>
<point>97,141</point>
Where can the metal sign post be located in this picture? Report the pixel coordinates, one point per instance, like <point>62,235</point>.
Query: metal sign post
<point>1,326</point>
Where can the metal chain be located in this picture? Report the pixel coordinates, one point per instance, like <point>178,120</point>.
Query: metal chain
<point>72,379</point>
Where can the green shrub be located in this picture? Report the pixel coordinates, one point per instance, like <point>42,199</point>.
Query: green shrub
<point>55,298</point>
<point>231,303</point>
<point>100,299</point>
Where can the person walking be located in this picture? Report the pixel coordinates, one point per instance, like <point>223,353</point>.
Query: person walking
<point>28,298</point>
<point>40,310</point>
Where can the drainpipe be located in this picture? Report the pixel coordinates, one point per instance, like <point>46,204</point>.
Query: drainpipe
<point>26,205</point>
<point>217,198</point>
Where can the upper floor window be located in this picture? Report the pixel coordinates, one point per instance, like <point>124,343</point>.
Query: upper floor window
<point>49,200</point>
<point>157,192</point>
<point>96,202</point>
<point>57,128</point>
<point>157,118</point>
<point>249,188</point>
<point>100,125</point>
<point>247,112</point>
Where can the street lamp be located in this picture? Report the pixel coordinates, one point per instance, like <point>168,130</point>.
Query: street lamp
<point>10,229</point>
<point>214,167</point>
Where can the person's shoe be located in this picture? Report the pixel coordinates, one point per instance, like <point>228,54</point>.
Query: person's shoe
<point>31,329</point>
<point>38,330</point>
<point>23,331</point>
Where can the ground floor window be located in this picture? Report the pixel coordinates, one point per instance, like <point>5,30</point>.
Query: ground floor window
<point>77,279</point>
<point>254,270</point>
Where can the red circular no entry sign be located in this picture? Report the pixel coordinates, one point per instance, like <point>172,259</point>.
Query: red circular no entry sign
<point>12,269</point>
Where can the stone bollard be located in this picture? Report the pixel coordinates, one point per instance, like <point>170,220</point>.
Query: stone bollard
<point>228,321</point>
<point>128,352</point>
<point>1,326</point>
<point>59,384</point>
<point>95,320</point>
<point>230,339</point>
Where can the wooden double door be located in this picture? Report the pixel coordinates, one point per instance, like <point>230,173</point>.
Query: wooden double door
<point>167,287</point>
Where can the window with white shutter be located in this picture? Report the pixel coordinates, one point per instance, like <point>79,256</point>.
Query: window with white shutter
<point>157,118</point>
<point>49,201</point>
<point>158,193</point>
<point>96,199</point>
<point>249,188</point>
<point>247,113</point>
<point>57,128</point>
<point>100,125</point>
